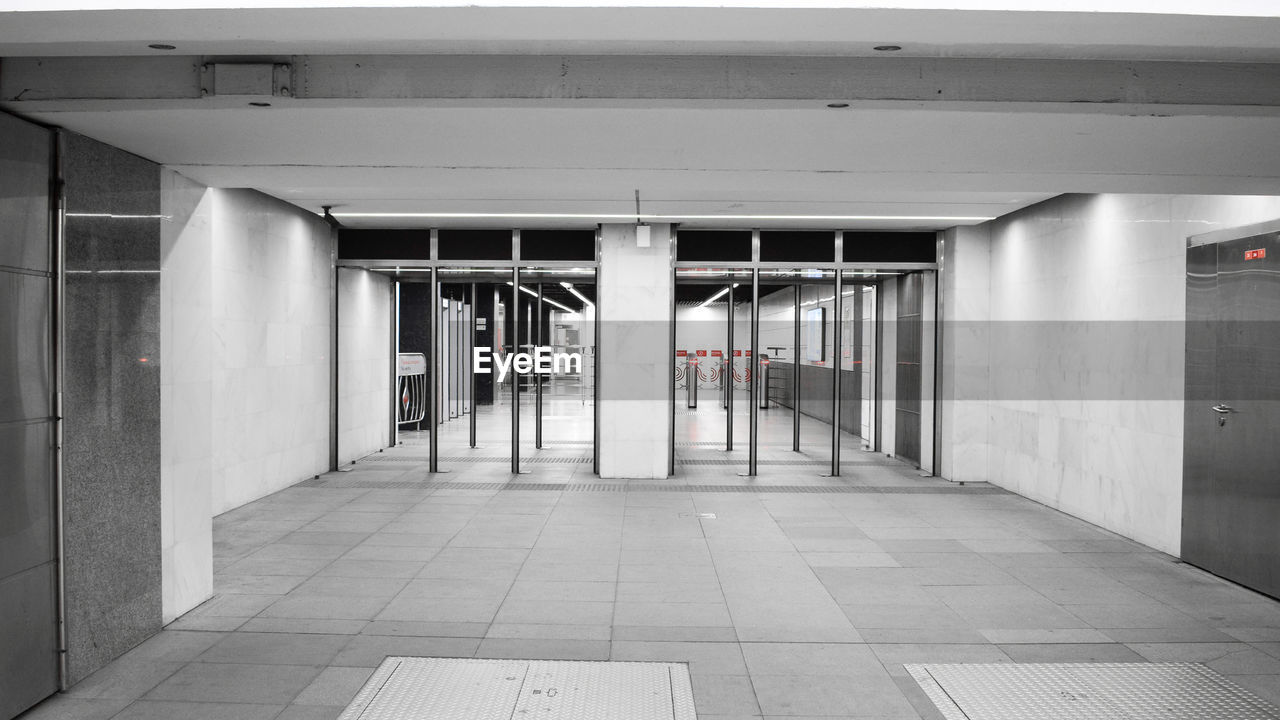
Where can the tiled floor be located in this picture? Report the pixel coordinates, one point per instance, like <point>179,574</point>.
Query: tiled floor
<point>786,604</point>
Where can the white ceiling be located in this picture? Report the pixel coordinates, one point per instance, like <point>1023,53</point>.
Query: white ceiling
<point>788,158</point>
<point>1134,29</point>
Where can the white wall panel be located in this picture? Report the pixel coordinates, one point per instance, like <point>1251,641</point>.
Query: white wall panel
<point>272,284</point>
<point>364,363</point>
<point>1079,374</point>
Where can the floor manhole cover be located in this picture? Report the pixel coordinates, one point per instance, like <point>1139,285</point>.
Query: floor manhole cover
<point>1087,691</point>
<point>408,688</point>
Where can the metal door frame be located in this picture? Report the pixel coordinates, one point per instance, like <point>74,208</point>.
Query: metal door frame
<point>1212,238</point>
<point>839,267</point>
<point>429,271</point>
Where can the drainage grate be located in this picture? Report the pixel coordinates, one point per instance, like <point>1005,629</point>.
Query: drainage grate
<point>349,482</point>
<point>816,463</point>
<point>1087,691</point>
<point>406,688</point>
<point>537,459</point>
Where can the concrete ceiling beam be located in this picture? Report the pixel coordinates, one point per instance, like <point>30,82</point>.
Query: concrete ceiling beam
<point>77,83</point>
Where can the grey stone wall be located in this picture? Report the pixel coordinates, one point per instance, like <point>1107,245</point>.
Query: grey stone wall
<point>111,402</point>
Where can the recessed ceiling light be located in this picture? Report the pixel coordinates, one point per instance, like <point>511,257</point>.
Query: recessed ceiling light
<point>888,48</point>
<point>260,104</point>
<point>162,46</point>
<point>837,105</point>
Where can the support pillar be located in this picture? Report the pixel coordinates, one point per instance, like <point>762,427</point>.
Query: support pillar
<point>634,395</point>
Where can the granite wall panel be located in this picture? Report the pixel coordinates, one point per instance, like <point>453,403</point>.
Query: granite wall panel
<point>111,402</point>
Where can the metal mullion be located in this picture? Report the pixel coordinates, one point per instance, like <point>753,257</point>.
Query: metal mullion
<point>754,367</point>
<point>515,378</point>
<point>728,441</point>
<point>537,379</point>
<point>835,380</point>
<point>433,367</point>
<point>471,372</point>
<point>795,380</point>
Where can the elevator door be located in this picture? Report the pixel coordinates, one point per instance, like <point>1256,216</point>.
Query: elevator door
<point>1231,490</point>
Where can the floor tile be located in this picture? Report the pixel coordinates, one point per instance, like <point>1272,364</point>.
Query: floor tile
<point>235,683</point>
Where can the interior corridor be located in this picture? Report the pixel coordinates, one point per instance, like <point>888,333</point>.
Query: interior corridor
<point>786,601</point>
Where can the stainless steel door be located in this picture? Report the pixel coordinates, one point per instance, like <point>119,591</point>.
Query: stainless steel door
<point>28,629</point>
<point>1231,477</point>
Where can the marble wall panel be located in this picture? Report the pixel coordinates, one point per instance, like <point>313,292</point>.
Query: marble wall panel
<point>633,348</point>
<point>1079,370</point>
<point>364,363</point>
<point>271,299</point>
<point>186,393</point>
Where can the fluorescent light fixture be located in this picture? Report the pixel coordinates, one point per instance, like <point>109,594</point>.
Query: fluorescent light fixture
<point>580,296</point>
<point>562,307</point>
<point>114,216</point>
<point>113,272</point>
<point>715,297</point>
<point>545,299</point>
<point>656,218</point>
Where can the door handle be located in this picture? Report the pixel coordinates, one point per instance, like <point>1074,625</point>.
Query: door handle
<point>1223,409</point>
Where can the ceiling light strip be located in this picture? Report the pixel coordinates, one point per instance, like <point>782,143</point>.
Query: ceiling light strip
<point>652,218</point>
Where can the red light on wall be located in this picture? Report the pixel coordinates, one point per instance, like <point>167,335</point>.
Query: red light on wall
<point>142,359</point>
<point>1258,254</point>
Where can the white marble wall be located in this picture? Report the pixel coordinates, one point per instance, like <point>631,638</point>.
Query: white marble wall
<point>1084,417</point>
<point>272,283</point>
<point>186,394</point>
<point>634,345</point>
<point>887,400</point>
<point>364,363</point>
<point>964,374</point>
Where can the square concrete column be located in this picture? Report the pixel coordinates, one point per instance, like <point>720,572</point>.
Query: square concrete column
<point>632,351</point>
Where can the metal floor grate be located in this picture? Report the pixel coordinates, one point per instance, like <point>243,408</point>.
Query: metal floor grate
<point>798,463</point>
<point>536,459</point>
<point>1087,691</point>
<point>348,482</point>
<point>409,688</point>
<point>583,459</point>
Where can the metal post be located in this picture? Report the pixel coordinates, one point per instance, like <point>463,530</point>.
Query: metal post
<point>693,382</point>
<point>471,372</point>
<point>433,367</point>
<point>835,381</point>
<point>455,369</point>
<point>515,377</point>
<point>671,435</point>
<point>754,365</point>
<point>728,434</point>
<point>763,396</point>
<point>724,398</point>
<point>394,420</point>
<point>537,379</point>
<point>58,251</point>
<point>595,369</point>
<point>795,381</point>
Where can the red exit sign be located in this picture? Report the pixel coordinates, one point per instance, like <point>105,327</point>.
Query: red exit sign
<point>1258,254</point>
